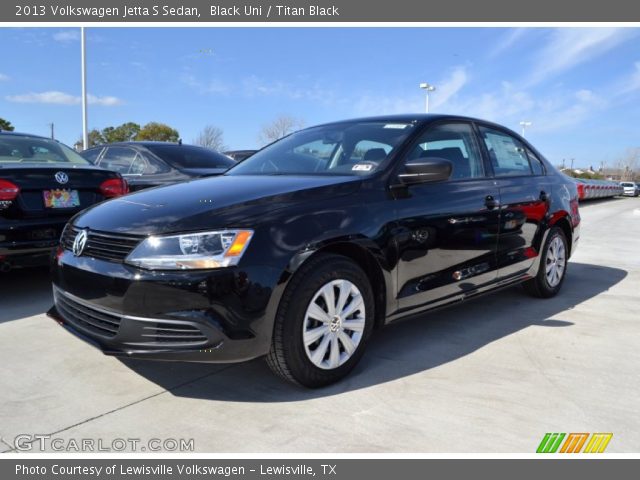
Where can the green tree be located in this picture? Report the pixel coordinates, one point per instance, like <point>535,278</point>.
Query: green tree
<point>123,133</point>
<point>158,131</point>
<point>95,138</point>
<point>6,125</point>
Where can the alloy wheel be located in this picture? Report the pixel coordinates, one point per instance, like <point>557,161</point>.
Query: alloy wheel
<point>556,261</point>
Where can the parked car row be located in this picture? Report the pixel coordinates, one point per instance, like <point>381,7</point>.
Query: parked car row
<point>630,189</point>
<point>299,252</point>
<point>43,183</point>
<point>592,189</point>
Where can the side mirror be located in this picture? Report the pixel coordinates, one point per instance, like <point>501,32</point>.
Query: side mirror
<point>425,170</point>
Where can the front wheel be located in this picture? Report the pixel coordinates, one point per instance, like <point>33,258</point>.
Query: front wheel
<point>323,322</point>
<point>553,266</point>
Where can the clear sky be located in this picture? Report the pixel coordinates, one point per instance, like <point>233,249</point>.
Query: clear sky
<point>580,87</point>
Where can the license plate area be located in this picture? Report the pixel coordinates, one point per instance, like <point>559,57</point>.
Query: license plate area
<point>61,198</point>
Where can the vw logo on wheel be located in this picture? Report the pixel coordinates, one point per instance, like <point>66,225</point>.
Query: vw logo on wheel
<point>79,243</point>
<point>62,177</point>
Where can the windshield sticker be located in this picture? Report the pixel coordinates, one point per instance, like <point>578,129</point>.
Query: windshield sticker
<point>396,125</point>
<point>362,167</point>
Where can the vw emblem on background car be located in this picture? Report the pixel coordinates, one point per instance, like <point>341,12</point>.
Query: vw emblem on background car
<point>79,243</point>
<point>62,177</point>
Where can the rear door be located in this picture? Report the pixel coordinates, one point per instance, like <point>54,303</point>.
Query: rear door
<point>525,192</point>
<point>448,231</point>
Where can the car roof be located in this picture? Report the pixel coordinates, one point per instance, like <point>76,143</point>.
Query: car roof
<point>21,134</point>
<point>146,143</point>
<point>420,118</point>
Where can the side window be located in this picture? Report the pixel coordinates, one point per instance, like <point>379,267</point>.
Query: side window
<point>536,163</point>
<point>155,166</point>
<point>138,166</point>
<point>506,153</point>
<point>454,142</point>
<point>121,160</point>
<point>92,154</point>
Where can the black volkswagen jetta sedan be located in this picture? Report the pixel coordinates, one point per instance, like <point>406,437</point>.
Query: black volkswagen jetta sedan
<point>301,251</point>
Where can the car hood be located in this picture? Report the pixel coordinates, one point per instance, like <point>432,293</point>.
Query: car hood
<point>213,202</point>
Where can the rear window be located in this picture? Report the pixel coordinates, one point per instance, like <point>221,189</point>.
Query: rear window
<point>16,150</point>
<point>187,156</point>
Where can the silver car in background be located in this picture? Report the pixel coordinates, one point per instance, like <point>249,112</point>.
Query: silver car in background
<point>630,189</point>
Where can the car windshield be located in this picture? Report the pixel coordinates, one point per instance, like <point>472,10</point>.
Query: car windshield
<point>188,156</point>
<point>18,149</point>
<point>350,148</point>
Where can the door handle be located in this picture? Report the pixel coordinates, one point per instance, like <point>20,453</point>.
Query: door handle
<point>491,202</point>
<point>544,196</point>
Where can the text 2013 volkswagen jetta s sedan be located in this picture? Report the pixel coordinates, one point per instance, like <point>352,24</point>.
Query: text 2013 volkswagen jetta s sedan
<point>302,250</point>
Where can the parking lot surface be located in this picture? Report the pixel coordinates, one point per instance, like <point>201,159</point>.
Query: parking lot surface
<point>492,375</point>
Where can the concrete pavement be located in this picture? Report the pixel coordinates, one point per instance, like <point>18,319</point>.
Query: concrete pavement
<point>492,375</point>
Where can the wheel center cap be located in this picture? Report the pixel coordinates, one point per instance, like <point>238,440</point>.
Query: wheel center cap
<point>335,324</point>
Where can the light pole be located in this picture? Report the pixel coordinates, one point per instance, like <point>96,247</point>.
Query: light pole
<point>524,126</point>
<point>427,88</point>
<point>85,133</point>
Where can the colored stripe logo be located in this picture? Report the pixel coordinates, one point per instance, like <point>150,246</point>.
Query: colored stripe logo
<point>573,443</point>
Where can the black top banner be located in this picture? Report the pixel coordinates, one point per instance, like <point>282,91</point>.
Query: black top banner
<point>316,11</point>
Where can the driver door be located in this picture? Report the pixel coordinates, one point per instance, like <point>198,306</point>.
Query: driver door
<point>448,230</point>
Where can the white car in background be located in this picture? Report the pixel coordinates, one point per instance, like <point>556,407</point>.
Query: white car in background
<point>630,189</point>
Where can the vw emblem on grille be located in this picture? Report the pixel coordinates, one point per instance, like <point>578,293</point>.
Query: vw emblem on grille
<point>61,177</point>
<point>80,242</point>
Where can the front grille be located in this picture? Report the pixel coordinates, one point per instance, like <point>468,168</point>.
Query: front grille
<point>86,317</point>
<point>167,332</point>
<point>113,247</point>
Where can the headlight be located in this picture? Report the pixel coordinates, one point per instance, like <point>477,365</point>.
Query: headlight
<point>202,250</point>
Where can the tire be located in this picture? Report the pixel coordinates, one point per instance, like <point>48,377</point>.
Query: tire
<point>553,266</point>
<point>305,363</point>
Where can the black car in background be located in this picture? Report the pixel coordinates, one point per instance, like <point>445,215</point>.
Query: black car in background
<point>150,164</point>
<point>305,248</point>
<point>43,183</point>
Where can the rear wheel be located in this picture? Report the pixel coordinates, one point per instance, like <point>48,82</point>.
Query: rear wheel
<point>553,266</point>
<point>323,323</point>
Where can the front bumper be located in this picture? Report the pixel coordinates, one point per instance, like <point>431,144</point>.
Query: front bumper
<point>220,316</point>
